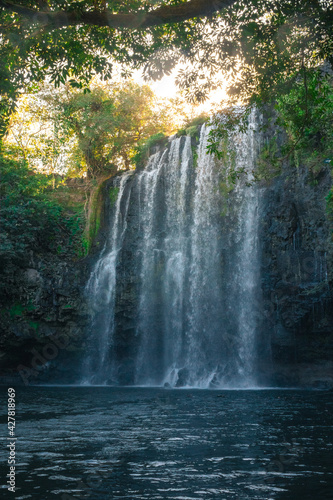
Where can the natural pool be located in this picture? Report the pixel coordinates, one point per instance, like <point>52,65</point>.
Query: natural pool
<point>151,443</point>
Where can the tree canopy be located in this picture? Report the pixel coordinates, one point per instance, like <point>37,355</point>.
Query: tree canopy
<point>66,130</point>
<point>257,44</point>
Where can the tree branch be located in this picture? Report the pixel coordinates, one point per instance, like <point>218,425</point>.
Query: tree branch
<point>133,20</point>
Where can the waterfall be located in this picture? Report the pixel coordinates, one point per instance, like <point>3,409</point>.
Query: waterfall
<point>101,290</point>
<point>176,290</point>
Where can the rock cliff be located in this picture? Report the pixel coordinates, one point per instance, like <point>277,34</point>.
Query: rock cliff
<point>297,277</point>
<point>43,318</point>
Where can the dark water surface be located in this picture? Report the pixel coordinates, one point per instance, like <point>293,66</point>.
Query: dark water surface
<point>109,443</point>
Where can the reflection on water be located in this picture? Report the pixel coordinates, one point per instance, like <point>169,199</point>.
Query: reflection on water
<point>107,443</point>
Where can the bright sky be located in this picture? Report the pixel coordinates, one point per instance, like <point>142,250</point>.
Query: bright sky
<point>166,88</point>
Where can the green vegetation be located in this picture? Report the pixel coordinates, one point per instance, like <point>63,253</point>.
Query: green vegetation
<point>304,113</point>
<point>196,121</point>
<point>34,325</point>
<point>144,147</point>
<point>30,218</point>
<point>88,136</point>
<point>67,306</point>
<point>269,52</point>
<point>92,134</point>
<point>225,188</point>
<point>16,310</point>
<point>193,131</point>
<point>195,156</point>
<point>329,201</point>
<point>220,145</point>
<point>191,126</point>
<point>113,195</point>
<point>226,123</point>
<point>269,164</point>
<point>257,44</point>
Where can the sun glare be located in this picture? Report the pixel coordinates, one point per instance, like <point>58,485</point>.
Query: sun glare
<point>166,88</point>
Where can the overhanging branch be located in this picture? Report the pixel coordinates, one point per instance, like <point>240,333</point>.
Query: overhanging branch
<point>133,20</point>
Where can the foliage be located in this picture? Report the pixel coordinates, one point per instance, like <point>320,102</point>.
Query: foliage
<point>225,187</point>
<point>196,121</point>
<point>191,126</point>
<point>60,41</point>
<point>93,132</point>
<point>193,131</point>
<point>30,219</point>
<point>16,310</point>
<point>144,147</point>
<point>304,112</point>
<point>268,51</point>
<point>260,47</point>
<point>224,126</point>
<point>269,164</point>
<point>36,135</point>
<point>257,45</point>
<point>113,195</point>
<point>195,156</point>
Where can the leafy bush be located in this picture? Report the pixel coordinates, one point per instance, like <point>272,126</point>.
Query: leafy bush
<point>306,113</point>
<point>196,121</point>
<point>181,132</point>
<point>143,149</point>
<point>191,126</point>
<point>30,219</point>
<point>193,131</point>
<point>91,132</point>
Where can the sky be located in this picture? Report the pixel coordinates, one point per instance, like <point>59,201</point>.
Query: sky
<point>166,88</point>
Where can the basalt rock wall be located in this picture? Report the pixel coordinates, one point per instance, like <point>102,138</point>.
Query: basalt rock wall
<point>43,318</point>
<point>295,320</point>
<point>297,277</point>
<point>45,315</point>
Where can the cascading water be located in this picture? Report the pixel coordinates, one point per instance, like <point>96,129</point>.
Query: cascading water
<point>101,289</point>
<point>184,255</point>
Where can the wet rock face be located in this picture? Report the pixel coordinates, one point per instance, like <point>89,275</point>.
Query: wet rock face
<point>43,318</point>
<point>297,278</point>
<point>295,344</point>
